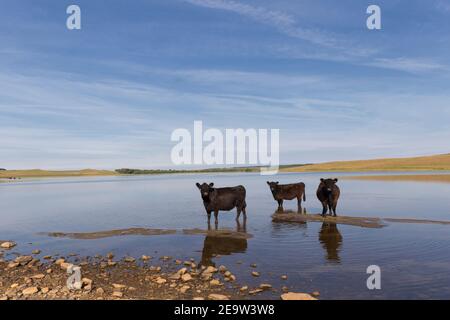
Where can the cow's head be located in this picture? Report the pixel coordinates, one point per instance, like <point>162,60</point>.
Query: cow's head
<point>328,184</point>
<point>273,185</point>
<point>205,189</point>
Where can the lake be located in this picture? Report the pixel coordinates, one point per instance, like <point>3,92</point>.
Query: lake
<point>414,258</point>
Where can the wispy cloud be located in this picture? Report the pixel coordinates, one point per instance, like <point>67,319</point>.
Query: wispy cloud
<point>407,65</point>
<point>283,22</point>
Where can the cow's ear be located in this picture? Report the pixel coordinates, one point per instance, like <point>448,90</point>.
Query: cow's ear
<point>198,185</point>
<point>268,183</point>
<point>211,184</point>
<point>335,180</point>
<point>322,179</point>
<point>277,182</point>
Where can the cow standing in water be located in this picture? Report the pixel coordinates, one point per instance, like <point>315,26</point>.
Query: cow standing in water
<point>216,199</point>
<point>328,194</point>
<point>282,192</point>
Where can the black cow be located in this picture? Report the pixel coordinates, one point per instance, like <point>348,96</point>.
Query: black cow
<point>282,192</point>
<point>328,194</point>
<point>216,199</point>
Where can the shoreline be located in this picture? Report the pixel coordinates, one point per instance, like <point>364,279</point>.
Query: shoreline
<point>28,277</point>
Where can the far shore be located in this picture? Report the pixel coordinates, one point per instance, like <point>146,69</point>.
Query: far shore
<point>436,163</point>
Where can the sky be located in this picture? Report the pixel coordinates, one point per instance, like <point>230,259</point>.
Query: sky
<point>110,95</point>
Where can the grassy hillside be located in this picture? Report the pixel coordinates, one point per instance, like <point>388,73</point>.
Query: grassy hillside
<point>35,173</point>
<point>438,162</point>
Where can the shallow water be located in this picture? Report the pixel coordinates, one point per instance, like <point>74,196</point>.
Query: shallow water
<point>414,258</point>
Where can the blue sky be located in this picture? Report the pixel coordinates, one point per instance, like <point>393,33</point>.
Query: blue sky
<point>110,95</point>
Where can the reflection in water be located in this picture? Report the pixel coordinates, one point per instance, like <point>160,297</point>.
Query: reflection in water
<point>215,244</point>
<point>331,240</point>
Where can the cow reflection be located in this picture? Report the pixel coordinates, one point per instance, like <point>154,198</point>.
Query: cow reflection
<point>216,244</point>
<point>331,240</point>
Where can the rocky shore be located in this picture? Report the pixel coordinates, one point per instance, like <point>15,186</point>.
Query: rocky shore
<point>27,277</point>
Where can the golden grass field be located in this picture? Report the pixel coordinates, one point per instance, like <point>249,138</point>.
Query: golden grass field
<point>427,163</point>
<point>444,178</point>
<point>37,173</point>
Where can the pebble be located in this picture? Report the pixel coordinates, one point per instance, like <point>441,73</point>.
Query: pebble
<point>8,245</point>
<point>265,286</point>
<point>184,289</point>
<point>100,291</point>
<point>215,296</point>
<point>284,277</point>
<point>244,288</point>
<point>36,251</point>
<point>186,277</point>
<point>117,294</point>
<point>145,258</point>
<point>215,282</point>
<point>296,296</point>
<point>255,291</point>
<point>255,273</point>
<point>129,259</point>
<point>316,293</point>
<point>119,286</point>
<point>38,276</point>
<point>222,269</point>
<point>30,290</point>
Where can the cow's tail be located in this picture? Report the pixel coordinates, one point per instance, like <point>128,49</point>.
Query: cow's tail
<point>304,195</point>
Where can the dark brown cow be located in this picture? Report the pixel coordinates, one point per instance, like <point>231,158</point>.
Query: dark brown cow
<point>216,199</point>
<point>328,194</point>
<point>282,192</point>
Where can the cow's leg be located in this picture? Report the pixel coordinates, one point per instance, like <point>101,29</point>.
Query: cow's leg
<point>325,208</point>
<point>334,208</point>
<point>299,204</point>
<point>216,220</point>
<point>280,205</point>
<point>244,211</point>
<point>238,213</point>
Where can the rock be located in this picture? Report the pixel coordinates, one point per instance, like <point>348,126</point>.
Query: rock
<point>30,290</point>
<point>23,260</point>
<point>222,269</point>
<point>255,291</point>
<point>253,265</point>
<point>48,271</point>
<point>244,288</point>
<point>210,269</point>
<point>129,259</point>
<point>215,296</point>
<point>284,277</point>
<point>145,258</point>
<point>119,286</point>
<point>187,263</point>
<point>316,293</point>
<point>65,265</point>
<point>100,291</point>
<point>36,251</point>
<point>14,285</point>
<point>111,263</point>
<point>47,257</point>
<point>232,277</point>
<point>110,256</point>
<point>12,265</point>
<point>255,274</point>
<point>215,282</point>
<point>8,245</point>
<point>265,286</point>
<point>59,261</point>
<point>296,296</point>
<point>117,294</point>
<point>285,289</point>
<point>160,280</point>
<point>45,290</point>
<point>198,298</point>
<point>184,289</point>
<point>87,284</point>
<point>186,277</point>
<point>38,276</point>
<point>206,276</point>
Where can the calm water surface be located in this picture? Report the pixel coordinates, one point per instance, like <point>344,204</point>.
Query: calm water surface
<point>414,258</point>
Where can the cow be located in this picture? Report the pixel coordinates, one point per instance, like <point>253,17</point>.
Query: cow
<point>282,192</point>
<point>328,194</point>
<point>226,199</point>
